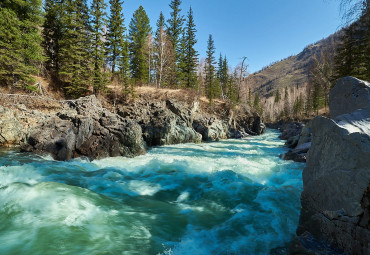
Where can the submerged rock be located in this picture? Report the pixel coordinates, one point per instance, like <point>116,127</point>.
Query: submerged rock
<point>335,199</point>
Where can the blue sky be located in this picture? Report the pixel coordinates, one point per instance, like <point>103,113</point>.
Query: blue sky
<point>262,30</point>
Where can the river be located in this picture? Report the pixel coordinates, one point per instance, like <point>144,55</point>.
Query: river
<point>227,197</point>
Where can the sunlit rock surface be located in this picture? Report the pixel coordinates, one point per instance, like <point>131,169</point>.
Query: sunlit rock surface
<point>336,195</point>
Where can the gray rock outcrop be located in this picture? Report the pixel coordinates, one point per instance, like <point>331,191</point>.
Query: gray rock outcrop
<point>84,128</point>
<point>336,195</point>
<point>348,95</point>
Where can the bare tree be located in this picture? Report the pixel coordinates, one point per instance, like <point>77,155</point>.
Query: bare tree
<point>351,10</point>
<point>150,57</point>
<point>243,70</point>
<point>164,56</point>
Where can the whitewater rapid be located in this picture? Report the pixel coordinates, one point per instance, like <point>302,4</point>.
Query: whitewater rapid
<point>228,197</point>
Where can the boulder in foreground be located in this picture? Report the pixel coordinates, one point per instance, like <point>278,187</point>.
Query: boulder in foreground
<point>336,180</point>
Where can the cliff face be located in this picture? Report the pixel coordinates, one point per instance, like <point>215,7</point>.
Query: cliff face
<point>336,195</point>
<point>83,127</point>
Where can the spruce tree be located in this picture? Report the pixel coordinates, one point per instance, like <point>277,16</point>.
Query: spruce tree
<point>220,74</point>
<point>98,55</point>
<point>139,30</point>
<point>20,42</point>
<point>116,41</point>
<point>210,79</point>
<point>52,33</point>
<point>190,55</point>
<point>223,77</point>
<point>175,32</point>
<point>75,49</point>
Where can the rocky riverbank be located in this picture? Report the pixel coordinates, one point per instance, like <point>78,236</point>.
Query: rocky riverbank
<point>335,215</point>
<point>83,127</point>
<point>298,136</point>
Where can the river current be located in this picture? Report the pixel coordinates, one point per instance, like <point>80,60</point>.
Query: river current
<point>227,197</point>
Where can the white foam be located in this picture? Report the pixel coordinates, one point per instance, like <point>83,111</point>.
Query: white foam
<point>144,188</point>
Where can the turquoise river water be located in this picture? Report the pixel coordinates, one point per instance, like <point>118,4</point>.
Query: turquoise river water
<point>228,197</point>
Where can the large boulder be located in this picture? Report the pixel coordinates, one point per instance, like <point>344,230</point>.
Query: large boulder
<point>291,129</point>
<point>10,127</point>
<point>348,95</point>
<point>336,195</point>
<point>164,123</point>
<point>211,128</point>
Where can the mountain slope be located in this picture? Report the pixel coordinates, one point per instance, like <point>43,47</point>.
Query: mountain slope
<point>292,71</point>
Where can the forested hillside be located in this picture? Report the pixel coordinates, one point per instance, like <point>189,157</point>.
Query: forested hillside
<point>83,47</point>
<point>298,86</point>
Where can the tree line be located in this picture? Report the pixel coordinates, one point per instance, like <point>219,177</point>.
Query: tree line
<point>346,54</point>
<point>82,49</point>
<point>351,57</point>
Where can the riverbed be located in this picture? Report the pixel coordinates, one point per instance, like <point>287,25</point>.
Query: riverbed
<point>227,197</point>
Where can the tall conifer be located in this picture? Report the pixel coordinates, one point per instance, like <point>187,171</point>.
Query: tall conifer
<point>52,29</point>
<point>75,49</point>
<point>20,41</point>
<point>175,32</point>
<point>138,32</point>
<point>116,41</point>
<point>190,55</point>
<point>210,79</point>
<point>98,54</point>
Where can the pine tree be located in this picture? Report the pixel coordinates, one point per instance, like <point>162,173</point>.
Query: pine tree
<point>190,55</point>
<point>210,79</point>
<point>74,57</point>
<point>175,31</point>
<point>20,42</point>
<point>139,30</point>
<point>98,25</point>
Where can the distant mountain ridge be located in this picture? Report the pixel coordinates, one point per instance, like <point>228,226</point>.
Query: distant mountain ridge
<point>292,71</point>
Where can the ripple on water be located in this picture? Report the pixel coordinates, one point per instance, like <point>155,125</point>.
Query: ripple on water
<point>229,197</point>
